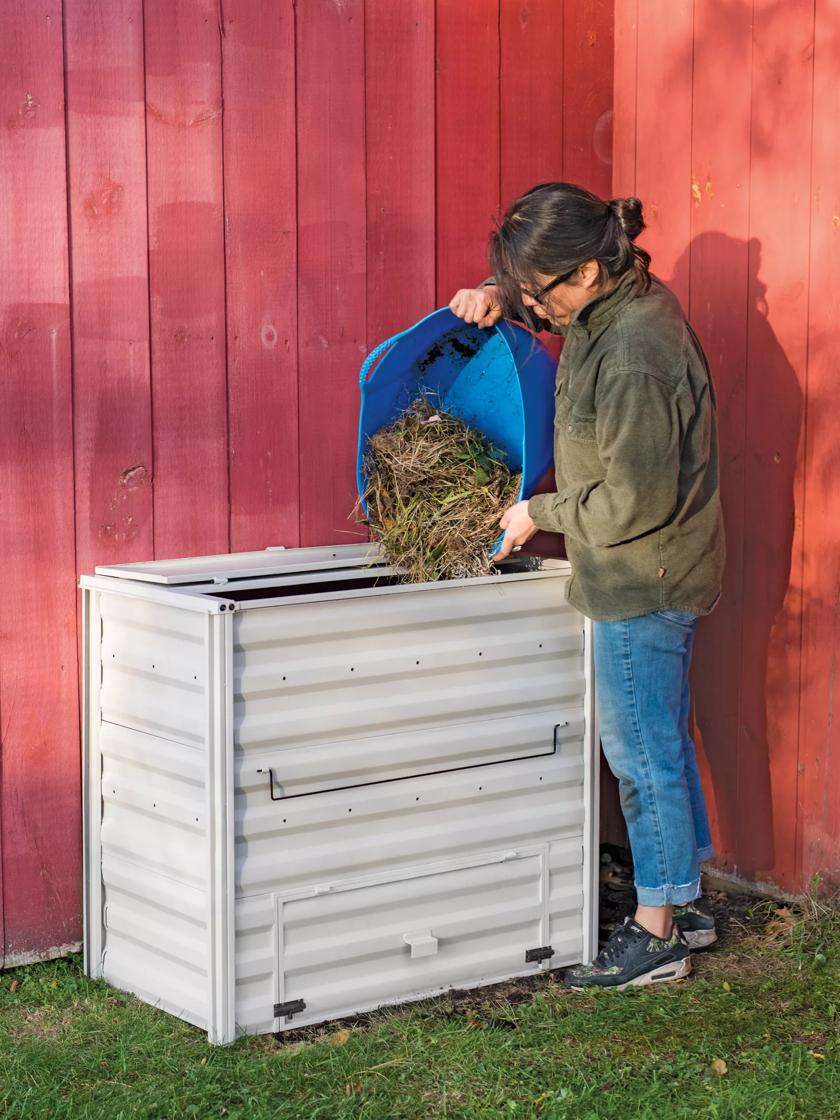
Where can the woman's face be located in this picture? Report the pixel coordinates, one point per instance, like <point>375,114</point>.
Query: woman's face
<point>560,305</point>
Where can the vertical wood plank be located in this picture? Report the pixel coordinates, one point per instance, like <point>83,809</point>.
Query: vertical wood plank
<point>531,100</point>
<point>260,183</point>
<point>467,110</point>
<point>625,93</point>
<point>663,128</point>
<point>400,162</point>
<point>776,388</point>
<point>39,714</point>
<point>819,751</point>
<point>588,62</point>
<point>109,280</point>
<point>187,276</point>
<point>331,262</point>
<point>716,269</point>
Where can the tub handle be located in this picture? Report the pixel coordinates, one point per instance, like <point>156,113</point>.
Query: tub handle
<point>375,354</point>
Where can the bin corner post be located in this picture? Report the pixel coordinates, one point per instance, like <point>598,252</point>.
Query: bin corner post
<point>591,794</point>
<point>92,892</point>
<point>221,958</point>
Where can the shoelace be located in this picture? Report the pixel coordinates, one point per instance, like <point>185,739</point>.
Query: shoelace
<point>614,948</point>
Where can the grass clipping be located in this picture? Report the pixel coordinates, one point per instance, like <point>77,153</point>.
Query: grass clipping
<point>435,490</point>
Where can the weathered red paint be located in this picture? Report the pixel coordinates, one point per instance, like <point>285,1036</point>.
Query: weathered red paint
<point>725,127</point>
<point>258,59</point>
<point>39,798</point>
<point>183,48</point>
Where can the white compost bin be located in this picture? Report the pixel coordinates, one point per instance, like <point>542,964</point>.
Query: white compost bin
<point>310,790</point>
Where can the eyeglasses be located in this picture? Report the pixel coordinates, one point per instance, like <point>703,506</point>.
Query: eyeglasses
<point>537,297</point>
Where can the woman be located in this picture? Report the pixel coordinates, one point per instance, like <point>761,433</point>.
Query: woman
<point>636,461</point>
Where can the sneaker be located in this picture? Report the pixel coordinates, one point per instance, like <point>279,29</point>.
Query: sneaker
<point>631,957</point>
<point>696,924</point>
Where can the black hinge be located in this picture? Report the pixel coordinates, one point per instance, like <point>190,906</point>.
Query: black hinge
<point>541,954</point>
<point>290,1008</point>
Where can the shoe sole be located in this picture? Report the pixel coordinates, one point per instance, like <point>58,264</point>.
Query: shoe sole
<point>674,970</point>
<point>700,938</point>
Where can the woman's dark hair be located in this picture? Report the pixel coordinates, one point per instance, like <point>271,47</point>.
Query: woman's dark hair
<point>553,228</point>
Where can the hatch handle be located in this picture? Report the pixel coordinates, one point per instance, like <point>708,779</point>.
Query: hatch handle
<point>422,943</point>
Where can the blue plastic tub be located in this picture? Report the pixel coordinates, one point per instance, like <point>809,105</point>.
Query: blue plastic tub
<point>499,380</point>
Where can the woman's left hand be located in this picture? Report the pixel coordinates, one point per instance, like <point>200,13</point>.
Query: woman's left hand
<point>518,528</point>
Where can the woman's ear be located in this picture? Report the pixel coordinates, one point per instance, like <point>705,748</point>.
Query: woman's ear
<point>589,274</point>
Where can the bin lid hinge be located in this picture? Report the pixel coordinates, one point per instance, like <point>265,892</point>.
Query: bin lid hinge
<point>292,1007</point>
<point>540,954</point>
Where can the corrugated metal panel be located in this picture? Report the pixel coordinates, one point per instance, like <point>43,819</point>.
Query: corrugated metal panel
<point>154,870</point>
<point>353,948</point>
<point>343,951</point>
<point>373,714</point>
<point>399,772</point>
<point>312,673</point>
<point>154,668</point>
<point>411,820</point>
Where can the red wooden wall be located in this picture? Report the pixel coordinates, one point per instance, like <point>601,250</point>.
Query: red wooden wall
<point>211,210</point>
<point>726,126</point>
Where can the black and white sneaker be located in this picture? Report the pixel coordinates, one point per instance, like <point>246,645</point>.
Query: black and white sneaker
<point>633,956</point>
<point>696,924</point>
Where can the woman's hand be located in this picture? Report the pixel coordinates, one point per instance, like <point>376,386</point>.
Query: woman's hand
<point>518,527</point>
<point>477,305</point>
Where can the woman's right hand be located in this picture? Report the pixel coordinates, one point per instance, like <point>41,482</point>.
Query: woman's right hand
<point>477,305</point>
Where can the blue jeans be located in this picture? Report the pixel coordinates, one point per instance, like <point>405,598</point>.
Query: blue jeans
<point>642,695</point>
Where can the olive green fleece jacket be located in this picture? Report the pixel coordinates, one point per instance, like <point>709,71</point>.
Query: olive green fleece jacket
<point>636,458</point>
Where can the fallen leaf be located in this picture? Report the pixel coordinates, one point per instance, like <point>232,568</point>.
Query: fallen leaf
<point>203,1062</point>
<point>13,987</point>
<point>816,1054</point>
<point>340,1037</point>
<point>719,1067</point>
<point>727,987</point>
<point>351,1087</point>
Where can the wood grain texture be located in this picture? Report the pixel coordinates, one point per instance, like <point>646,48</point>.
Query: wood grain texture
<point>332,281</point>
<point>258,66</point>
<point>663,130</point>
<point>39,714</point>
<point>715,266</point>
<point>625,97</point>
<point>467,147</point>
<point>112,414</point>
<point>818,807</point>
<point>782,76</point>
<point>187,276</point>
<point>588,61</point>
<point>532,78</point>
<point>400,164</point>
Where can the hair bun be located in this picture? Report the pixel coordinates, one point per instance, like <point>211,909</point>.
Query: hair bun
<point>629,213</point>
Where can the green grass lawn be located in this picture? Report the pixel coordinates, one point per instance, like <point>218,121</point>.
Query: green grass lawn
<point>754,1033</point>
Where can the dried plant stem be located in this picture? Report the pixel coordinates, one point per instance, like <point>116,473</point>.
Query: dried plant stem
<point>435,490</point>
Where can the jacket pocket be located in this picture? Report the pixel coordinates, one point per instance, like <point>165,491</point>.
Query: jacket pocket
<point>681,618</point>
<point>577,427</point>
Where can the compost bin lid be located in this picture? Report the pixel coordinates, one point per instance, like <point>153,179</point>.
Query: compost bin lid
<point>245,565</point>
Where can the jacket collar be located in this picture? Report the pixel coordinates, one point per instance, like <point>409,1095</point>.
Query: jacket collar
<point>604,308</point>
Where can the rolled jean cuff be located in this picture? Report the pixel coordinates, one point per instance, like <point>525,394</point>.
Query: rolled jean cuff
<point>705,853</point>
<point>669,895</point>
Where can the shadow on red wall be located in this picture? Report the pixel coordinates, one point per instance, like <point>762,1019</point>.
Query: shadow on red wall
<point>735,681</point>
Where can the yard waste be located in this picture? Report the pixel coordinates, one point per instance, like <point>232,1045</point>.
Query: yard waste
<point>434,491</point>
